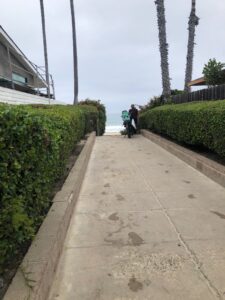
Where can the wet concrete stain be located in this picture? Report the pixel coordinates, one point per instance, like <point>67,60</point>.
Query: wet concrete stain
<point>147,282</point>
<point>191,196</point>
<point>222,216</point>
<point>114,217</point>
<point>187,181</point>
<point>120,197</point>
<point>117,242</point>
<point>135,285</point>
<point>135,239</point>
<point>167,171</point>
<point>107,185</point>
<point>120,229</point>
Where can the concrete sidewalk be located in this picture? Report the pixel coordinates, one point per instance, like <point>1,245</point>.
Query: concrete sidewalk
<point>146,226</point>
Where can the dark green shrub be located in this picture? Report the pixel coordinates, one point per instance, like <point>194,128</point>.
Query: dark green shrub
<point>35,143</point>
<point>153,102</point>
<point>159,100</point>
<point>101,114</point>
<point>214,72</point>
<point>199,123</point>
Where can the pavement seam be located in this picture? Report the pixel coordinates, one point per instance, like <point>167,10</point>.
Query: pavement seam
<point>93,212</point>
<point>191,253</point>
<point>109,245</point>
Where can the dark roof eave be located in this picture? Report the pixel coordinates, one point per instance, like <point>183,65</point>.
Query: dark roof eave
<point>197,82</point>
<point>200,81</point>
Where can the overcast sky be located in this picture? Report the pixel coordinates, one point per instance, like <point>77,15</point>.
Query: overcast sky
<point>118,54</point>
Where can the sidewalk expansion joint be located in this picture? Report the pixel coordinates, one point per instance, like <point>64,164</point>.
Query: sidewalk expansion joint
<point>190,253</point>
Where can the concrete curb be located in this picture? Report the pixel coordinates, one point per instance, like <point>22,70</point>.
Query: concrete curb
<point>210,168</point>
<point>34,276</point>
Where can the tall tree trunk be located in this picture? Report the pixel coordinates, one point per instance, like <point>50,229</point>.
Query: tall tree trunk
<point>75,67</point>
<point>193,22</point>
<point>163,47</point>
<point>45,47</point>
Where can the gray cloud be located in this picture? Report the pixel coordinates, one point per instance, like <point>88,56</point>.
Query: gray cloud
<point>117,44</point>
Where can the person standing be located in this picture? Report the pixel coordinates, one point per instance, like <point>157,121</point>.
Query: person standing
<point>134,115</point>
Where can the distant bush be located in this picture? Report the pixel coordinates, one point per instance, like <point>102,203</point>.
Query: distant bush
<point>101,114</point>
<point>35,143</point>
<point>198,123</point>
<point>214,73</point>
<point>158,101</point>
<point>153,102</point>
<point>177,92</point>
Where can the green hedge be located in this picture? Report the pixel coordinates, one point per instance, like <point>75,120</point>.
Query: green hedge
<point>35,143</point>
<point>101,114</point>
<point>196,123</point>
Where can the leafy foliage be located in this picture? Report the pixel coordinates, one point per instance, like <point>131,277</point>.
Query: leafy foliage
<point>199,123</point>
<point>35,143</point>
<point>213,72</point>
<point>177,92</point>
<point>159,100</point>
<point>101,114</point>
<point>153,102</point>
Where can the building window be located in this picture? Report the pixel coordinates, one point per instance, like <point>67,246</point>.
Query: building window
<point>19,79</point>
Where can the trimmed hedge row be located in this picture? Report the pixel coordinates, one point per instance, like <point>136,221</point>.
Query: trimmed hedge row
<point>196,123</point>
<point>101,114</point>
<point>35,143</point>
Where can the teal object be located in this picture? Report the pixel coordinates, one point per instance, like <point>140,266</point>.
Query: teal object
<point>125,115</point>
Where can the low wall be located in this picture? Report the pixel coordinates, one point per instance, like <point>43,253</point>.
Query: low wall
<point>36,273</point>
<point>16,97</point>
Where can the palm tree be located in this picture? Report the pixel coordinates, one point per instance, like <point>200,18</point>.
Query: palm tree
<point>45,46</point>
<point>193,22</point>
<point>163,47</point>
<point>75,67</point>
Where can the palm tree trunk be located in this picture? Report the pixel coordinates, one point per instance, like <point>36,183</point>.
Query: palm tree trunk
<point>193,22</point>
<point>45,46</point>
<point>163,47</point>
<point>75,67</point>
